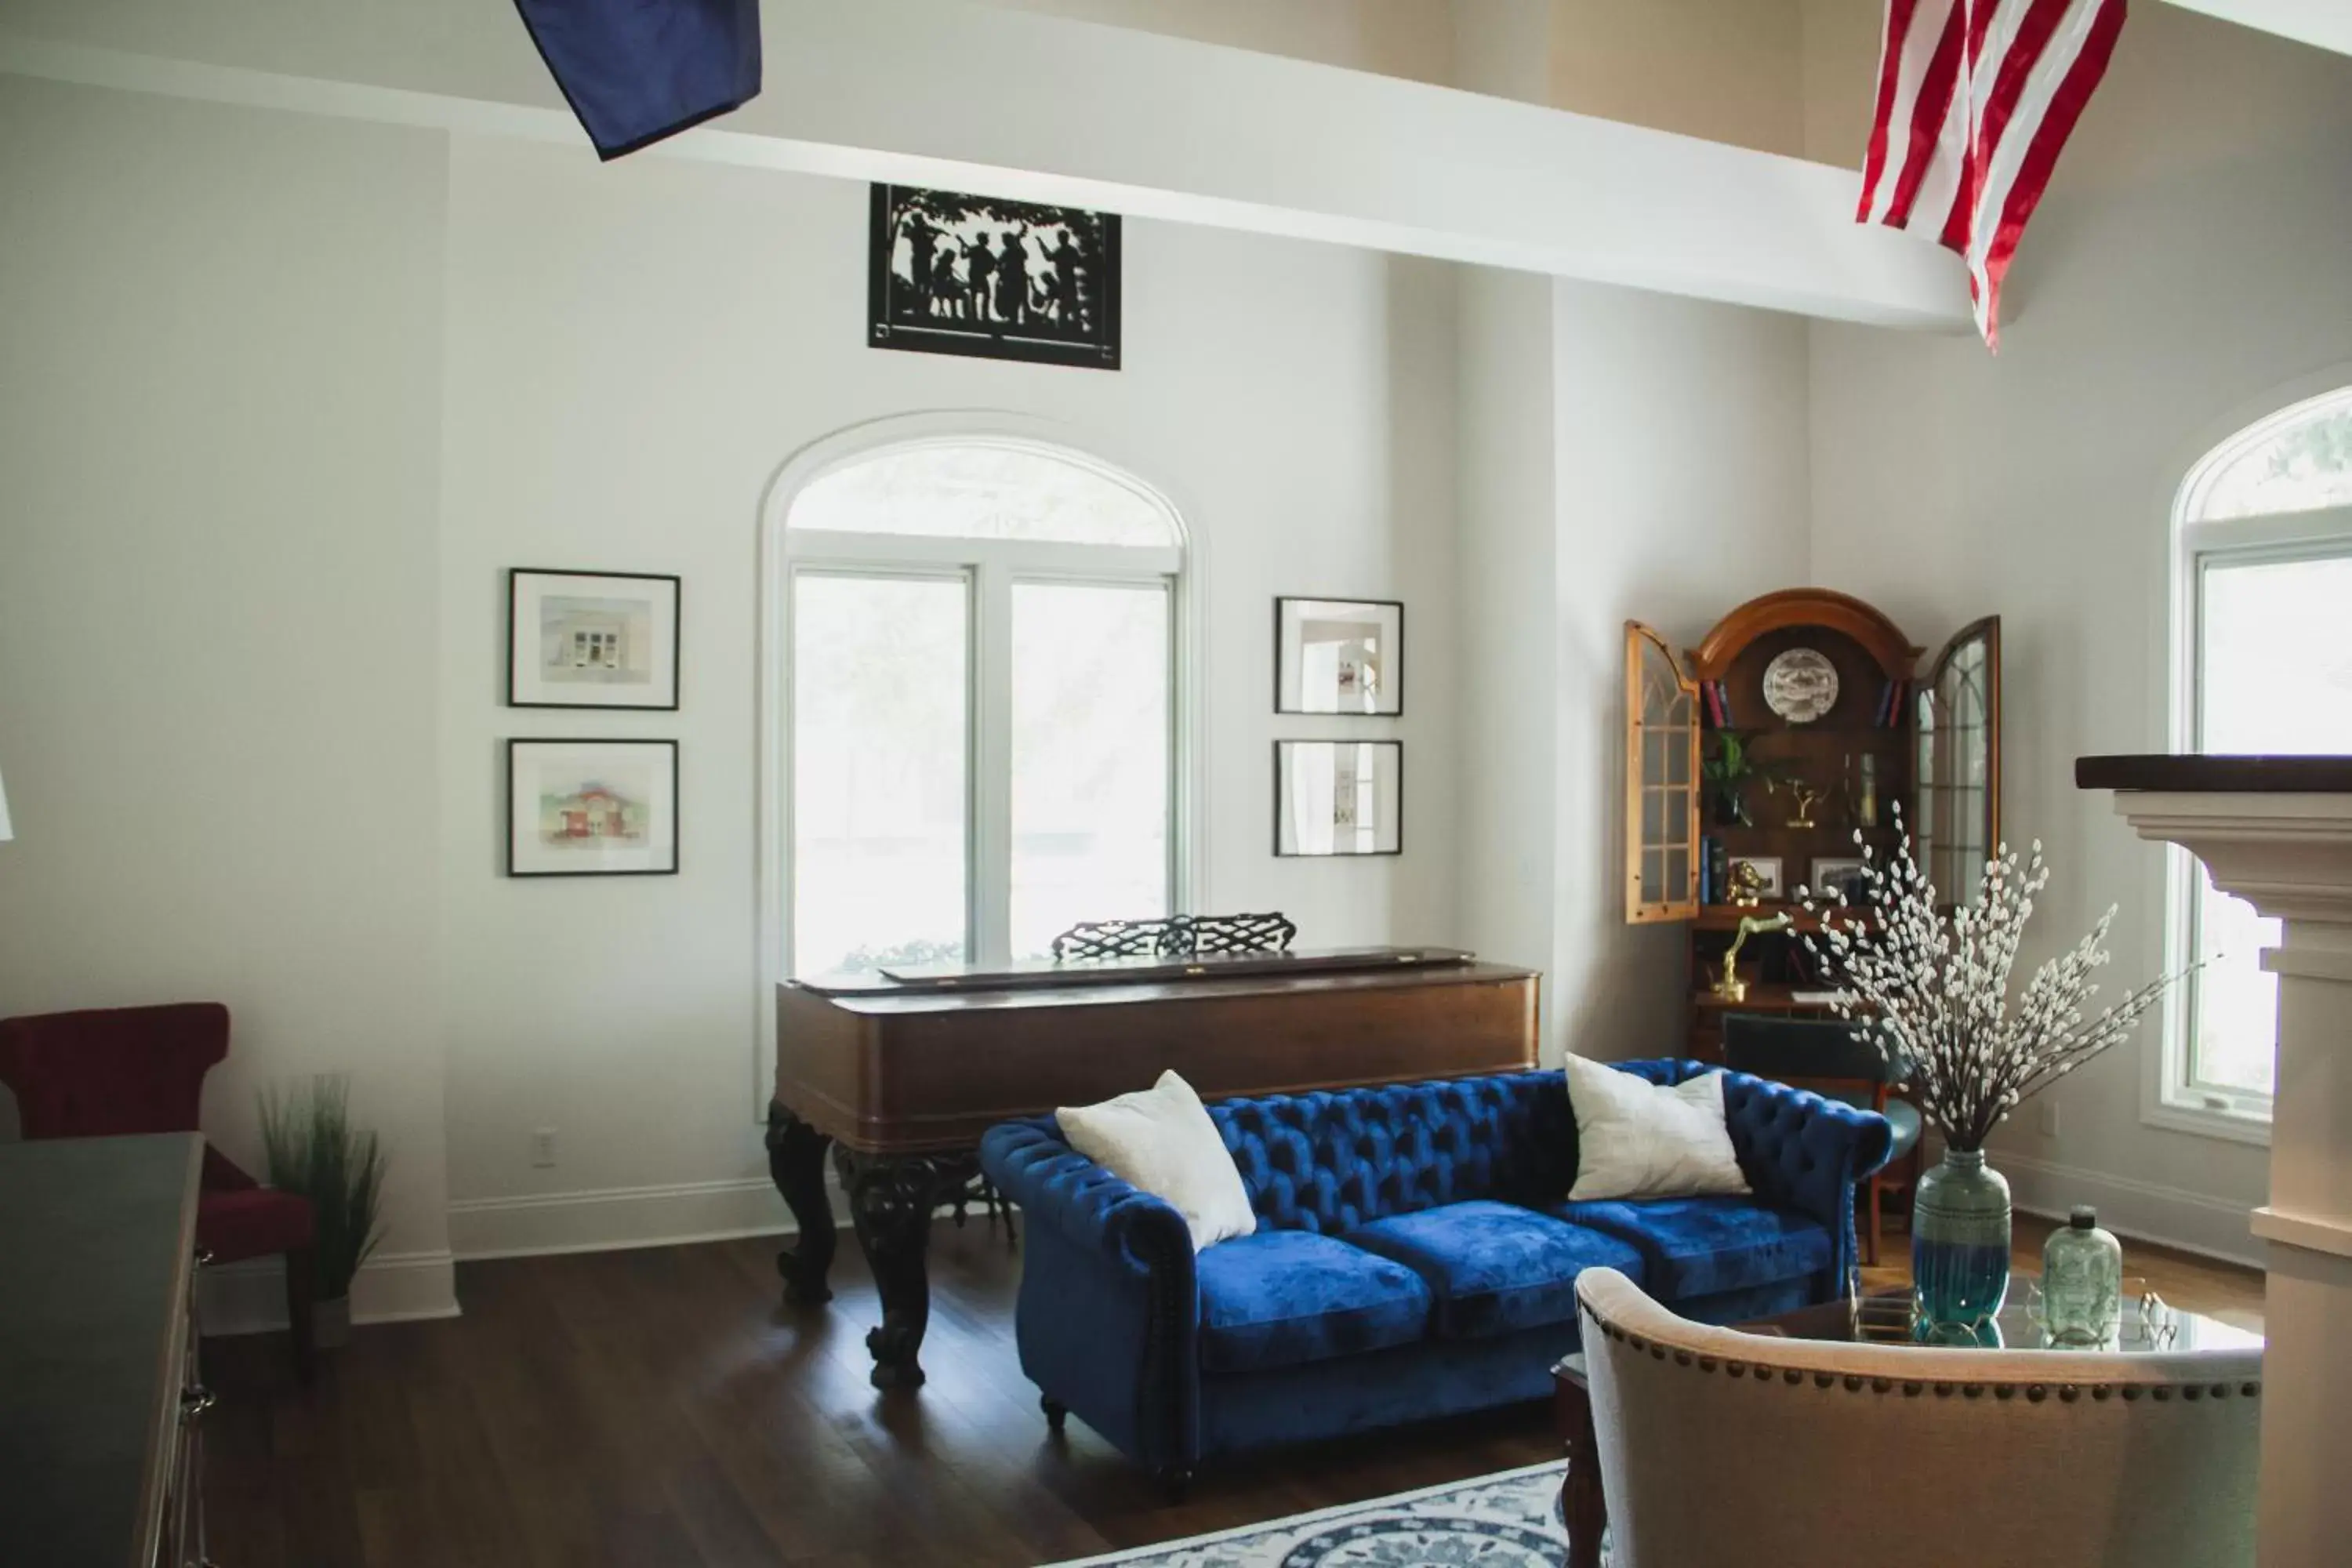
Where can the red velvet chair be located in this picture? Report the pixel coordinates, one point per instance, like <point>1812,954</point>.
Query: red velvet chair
<point>120,1071</point>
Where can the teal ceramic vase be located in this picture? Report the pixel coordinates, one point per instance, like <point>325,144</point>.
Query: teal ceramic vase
<point>1960,1248</point>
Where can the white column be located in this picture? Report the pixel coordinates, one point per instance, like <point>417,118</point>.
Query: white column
<point>2290,855</point>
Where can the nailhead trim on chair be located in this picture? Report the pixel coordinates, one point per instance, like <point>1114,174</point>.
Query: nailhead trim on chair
<point>2035,1393</point>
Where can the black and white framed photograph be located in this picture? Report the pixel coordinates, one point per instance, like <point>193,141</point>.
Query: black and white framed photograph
<point>592,808</point>
<point>1339,797</point>
<point>1834,874</point>
<point>592,639</point>
<point>1339,656</point>
<point>954,274</point>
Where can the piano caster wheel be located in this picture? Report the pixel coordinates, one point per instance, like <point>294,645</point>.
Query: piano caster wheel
<point>1056,1413</point>
<point>1176,1483</point>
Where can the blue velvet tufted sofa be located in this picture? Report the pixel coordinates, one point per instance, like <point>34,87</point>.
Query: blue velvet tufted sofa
<point>1414,1257</point>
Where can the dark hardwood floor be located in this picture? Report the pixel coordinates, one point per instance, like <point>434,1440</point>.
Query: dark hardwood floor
<point>662,1407</point>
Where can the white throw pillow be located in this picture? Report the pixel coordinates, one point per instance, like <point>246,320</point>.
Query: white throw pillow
<point>1636,1139</point>
<point>1160,1140</point>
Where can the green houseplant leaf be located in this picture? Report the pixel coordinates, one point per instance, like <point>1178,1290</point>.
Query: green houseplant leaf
<point>312,1148</point>
<point>1729,772</point>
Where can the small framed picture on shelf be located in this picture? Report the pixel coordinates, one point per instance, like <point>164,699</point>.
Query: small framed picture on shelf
<point>1836,874</point>
<point>1339,797</point>
<point>1766,869</point>
<point>592,808</point>
<point>592,639</point>
<point>1339,656</point>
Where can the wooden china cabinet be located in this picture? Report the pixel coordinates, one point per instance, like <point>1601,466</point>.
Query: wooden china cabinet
<point>1841,723</point>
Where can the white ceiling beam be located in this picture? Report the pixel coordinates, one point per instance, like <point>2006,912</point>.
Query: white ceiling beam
<point>2327,23</point>
<point>969,97</point>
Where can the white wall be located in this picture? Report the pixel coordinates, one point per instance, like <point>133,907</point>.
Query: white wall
<point>1727,70</point>
<point>2187,266</point>
<point>219,450</point>
<point>633,351</point>
<point>1409,39</point>
<point>1841,40</point>
<point>283,399</point>
<point>1509,688</point>
<point>1683,491</point>
<point>1624,456</point>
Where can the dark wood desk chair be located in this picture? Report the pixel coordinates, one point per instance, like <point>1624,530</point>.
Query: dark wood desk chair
<point>1826,1054</point>
<point>120,1070</point>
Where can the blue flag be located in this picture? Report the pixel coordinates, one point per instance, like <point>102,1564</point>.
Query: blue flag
<point>637,71</point>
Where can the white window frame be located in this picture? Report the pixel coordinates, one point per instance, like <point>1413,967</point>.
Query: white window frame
<point>2173,1096</point>
<point>992,568</point>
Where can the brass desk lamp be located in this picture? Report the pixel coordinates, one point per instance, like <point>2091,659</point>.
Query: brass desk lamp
<point>1730,987</point>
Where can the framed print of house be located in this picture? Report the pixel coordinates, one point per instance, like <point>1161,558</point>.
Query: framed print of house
<point>592,639</point>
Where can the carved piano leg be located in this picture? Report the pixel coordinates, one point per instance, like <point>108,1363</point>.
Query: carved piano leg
<point>891,1198</point>
<point>796,1164</point>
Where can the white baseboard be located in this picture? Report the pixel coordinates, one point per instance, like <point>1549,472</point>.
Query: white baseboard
<point>612,1218</point>
<point>249,1298</point>
<point>2146,1211</point>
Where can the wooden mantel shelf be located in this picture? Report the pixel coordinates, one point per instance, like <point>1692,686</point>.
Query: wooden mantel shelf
<point>2216,775</point>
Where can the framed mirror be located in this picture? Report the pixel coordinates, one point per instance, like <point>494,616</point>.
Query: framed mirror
<point>1339,656</point>
<point>1339,797</point>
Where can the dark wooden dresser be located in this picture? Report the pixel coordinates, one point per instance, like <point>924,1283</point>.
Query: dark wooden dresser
<point>98,1392</point>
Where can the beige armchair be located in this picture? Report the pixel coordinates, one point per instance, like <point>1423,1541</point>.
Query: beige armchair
<point>1720,1450</point>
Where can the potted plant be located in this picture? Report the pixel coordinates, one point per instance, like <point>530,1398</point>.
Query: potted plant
<point>1931,986</point>
<point>313,1149</point>
<point>1729,773</point>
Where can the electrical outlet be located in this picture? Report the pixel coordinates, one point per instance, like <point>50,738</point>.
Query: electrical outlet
<point>542,1147</point>
<point>2049,1118</point>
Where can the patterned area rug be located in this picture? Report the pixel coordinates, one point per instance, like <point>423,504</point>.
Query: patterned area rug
<point>1509,1520</point>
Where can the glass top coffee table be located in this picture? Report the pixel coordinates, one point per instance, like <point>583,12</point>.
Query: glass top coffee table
<point>2149,1324</point>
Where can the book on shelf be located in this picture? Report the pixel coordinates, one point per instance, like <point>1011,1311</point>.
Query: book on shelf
<point>1889,715</point>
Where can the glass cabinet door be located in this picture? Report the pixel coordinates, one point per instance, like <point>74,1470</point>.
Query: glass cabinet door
<point>1661,780</point>
<point>1955,816</point>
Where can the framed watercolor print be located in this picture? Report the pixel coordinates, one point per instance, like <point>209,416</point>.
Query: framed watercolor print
<point>592,639</point>
<point>1339,797</point>
<point>1339,656</point>
<point>592,808</point>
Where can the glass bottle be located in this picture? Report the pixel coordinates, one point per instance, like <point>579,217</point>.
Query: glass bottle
<point>2082,1281</point>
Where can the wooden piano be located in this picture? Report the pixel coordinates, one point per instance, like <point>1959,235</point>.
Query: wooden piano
<point>900,1074</point>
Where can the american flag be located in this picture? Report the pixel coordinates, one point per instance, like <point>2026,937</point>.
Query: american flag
<point>1976,98</point>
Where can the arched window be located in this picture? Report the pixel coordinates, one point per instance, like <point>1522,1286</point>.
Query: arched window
<point>980,703</point>
<point>2265,541</point>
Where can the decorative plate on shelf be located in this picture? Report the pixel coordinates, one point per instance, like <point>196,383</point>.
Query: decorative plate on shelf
<point>1800,685</point>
